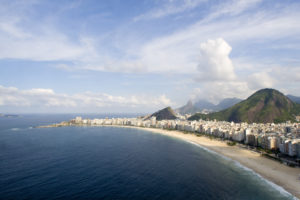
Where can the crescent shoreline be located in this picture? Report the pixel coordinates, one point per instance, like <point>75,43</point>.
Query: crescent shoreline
<point>283,176</point>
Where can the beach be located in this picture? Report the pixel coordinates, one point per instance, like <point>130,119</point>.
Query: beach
<point>284,176</point>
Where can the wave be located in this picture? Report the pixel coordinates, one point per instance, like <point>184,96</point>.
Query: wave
<point>20,129</point>
<point>210,151</point>
<point>238,164</point>
<point>15,129</point>
<point>273,185</point>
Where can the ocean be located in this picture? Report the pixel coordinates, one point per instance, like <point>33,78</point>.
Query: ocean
<point>115,163</point>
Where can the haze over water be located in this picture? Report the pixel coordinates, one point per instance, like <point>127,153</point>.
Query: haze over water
<point>115,163</point>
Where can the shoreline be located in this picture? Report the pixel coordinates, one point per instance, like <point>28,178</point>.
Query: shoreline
<point>272,171</point>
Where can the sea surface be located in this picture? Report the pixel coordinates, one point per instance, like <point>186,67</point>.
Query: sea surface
<point>115,163</point>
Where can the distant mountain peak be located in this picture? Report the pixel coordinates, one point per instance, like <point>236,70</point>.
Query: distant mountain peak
<point>188,108</point>
<point>200,105</point>
<point>295,99</point>
<point>189,103</point>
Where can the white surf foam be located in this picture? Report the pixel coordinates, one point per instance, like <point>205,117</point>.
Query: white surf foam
<point>238,164</point>
<point>15,129</point>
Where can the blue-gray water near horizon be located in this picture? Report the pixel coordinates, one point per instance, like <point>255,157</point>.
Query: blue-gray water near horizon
<point>115,163</point>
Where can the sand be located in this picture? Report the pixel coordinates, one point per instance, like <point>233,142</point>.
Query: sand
<point>280,174</point>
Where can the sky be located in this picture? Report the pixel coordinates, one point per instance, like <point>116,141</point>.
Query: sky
<point>137,56</point>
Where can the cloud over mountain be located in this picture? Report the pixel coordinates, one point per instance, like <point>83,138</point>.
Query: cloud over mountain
<point>215,63</point>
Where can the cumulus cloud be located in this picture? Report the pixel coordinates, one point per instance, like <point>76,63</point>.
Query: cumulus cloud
<point>215,63</point>
<point>39,97</point>
<point>175,52</point>
<point>178,52</point>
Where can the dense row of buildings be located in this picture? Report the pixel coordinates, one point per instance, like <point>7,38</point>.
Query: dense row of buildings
<point>284,137</point>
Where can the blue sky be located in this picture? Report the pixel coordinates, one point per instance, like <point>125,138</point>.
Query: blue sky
<point>139,56</point>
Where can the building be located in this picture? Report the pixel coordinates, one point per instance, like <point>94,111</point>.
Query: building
<point>273,144</point>
<point>292,148</point>
<point>153,121</point>
<point>78,120</point>
<point>298,149</point>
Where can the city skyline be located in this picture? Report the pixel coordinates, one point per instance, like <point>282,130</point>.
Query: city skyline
<point>139,56</point>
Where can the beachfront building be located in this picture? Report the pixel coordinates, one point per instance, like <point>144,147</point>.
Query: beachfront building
<point>298,149</point>
<point>250,139</point>
<point>153,121</point>
<point>78,120</point>
<point>239,136</point>
<point>273,142</point>
<point>283,137</point>
<point>292,148</point>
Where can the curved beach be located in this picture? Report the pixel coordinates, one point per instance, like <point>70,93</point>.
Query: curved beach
<point>280,174</point>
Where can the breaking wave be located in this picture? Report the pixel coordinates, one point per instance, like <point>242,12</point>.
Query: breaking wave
<point>238,164</point>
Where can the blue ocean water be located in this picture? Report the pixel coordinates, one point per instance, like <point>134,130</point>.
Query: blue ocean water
<point>115,163</point>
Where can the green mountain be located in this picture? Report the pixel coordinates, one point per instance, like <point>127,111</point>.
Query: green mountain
<point>166,113</point>
<point>266,105</point>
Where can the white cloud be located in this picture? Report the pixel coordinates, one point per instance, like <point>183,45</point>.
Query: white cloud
<point>44,46</point>
<point>260,80</point>
<point>233,7</point>
<point>173,53</point>
<point>287,74</point>
<point>22,37</point>
<point>178,52</point>
<point>164,100</point>
<point>215,63</point>
<point>218,90</point>
<point>39,97</point>
<point>170,8</point>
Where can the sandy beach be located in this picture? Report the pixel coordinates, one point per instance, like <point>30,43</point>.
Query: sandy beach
<point>280,174</point>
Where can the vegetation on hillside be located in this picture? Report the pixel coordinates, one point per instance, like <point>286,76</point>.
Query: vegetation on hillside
<point>166,113</point>
<point>266,105</point>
